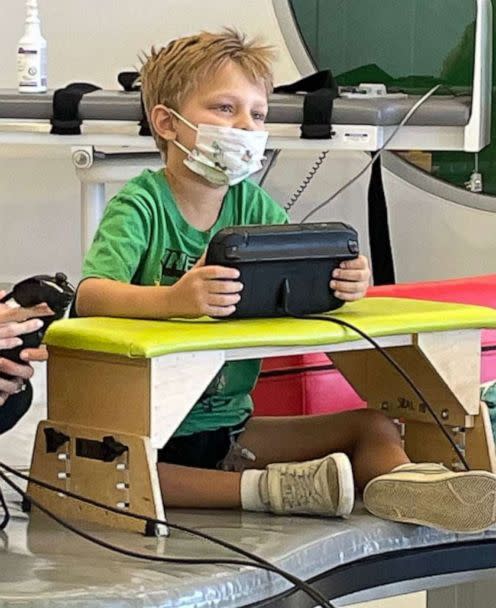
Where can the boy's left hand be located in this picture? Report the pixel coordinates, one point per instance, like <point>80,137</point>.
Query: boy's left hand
<point>351,280</point>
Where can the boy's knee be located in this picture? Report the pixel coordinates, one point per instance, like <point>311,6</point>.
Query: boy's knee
<point>375,422</point>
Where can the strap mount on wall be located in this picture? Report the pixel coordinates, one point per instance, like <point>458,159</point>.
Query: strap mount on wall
<point>65,115</point>
<point>321,90</point>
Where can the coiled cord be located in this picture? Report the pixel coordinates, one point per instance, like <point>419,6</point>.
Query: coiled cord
<point>306,181</point>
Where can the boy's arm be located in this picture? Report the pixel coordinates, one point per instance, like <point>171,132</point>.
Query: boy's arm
<point>108,298</point>
<point>112,261</point>
<point>204,290</point>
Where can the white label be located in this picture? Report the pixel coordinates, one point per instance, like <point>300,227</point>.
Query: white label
<point>356,136</point>
<point>43,66</point>
<point>31,67</point>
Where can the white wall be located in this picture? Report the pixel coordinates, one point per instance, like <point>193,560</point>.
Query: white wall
<point>95,39</point>
<point>90,40</point>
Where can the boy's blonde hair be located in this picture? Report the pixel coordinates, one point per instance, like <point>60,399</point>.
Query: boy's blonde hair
<point>170,73</point>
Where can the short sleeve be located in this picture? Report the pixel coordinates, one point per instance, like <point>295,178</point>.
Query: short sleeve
<point>120,241</point>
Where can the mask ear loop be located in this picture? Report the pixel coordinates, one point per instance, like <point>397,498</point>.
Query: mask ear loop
<point>182,119</point>
<point>187,123</point>
<point>181,147</point>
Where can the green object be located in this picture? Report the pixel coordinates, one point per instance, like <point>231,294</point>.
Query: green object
<point>375,316</point>
<point>410,45</point>
<point>145,240</point>
<point>431,39</point>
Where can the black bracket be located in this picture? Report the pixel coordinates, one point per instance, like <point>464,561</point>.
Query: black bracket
<point>54,439</point>
<point>107,450</point>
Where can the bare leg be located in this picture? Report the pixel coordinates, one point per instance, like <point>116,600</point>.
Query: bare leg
<point>366,436</point>
<point>192,488</point>
<point>369,438</point>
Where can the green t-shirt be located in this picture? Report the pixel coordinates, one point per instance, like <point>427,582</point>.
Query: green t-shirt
<point>143,239</point>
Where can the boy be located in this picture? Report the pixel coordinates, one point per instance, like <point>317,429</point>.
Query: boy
<point>206,101</point>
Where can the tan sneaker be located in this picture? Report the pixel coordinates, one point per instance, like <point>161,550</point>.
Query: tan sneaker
<point>429,494</point>
<point>317,487</point>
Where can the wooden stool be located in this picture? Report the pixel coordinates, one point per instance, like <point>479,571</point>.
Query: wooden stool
<point>119,388</point>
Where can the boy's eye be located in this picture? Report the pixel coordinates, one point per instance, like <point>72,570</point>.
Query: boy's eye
<point>225,107</point>
<point>259,116</point>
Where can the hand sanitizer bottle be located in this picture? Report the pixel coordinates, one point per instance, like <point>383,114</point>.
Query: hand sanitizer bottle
<point>32,54</point>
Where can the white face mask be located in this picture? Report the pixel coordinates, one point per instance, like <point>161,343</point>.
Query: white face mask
<point>224,155</point>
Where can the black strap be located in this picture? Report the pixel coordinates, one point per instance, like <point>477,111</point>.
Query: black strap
<point>322,90</point>
<point>381,252</point>
<point>129,81</point>
<point>143,123</point>
<point>65,118</point>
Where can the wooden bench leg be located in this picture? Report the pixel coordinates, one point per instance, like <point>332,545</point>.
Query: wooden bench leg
<point>424,443</point>
<point>113,468</point>
<point>446,368</point>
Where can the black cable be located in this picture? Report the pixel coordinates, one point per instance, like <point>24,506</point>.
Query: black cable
<point>106,545</point>
<point>257,562</point>
<point>268,166</point>
<point>311,174</point>
<point>306,181</point>
<point>373,159</point>
<point>405,376</point>
<point>386,355</point>
<point>6,512</point>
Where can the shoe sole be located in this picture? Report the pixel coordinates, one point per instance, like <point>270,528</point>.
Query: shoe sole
<point>346,485</point>
<point>467,502</point>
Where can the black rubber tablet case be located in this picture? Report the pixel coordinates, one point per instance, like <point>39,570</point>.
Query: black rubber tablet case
<point>285,269</point>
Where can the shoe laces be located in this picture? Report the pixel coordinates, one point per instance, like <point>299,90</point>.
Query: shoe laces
<point>299,488</point>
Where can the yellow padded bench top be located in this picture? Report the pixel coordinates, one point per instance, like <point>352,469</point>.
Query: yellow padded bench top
<point>375,316</point>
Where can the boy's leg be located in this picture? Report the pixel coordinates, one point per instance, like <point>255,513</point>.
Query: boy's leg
<point>194,488</point>
<point>427,494</point>
<point>368,437</point>
<point>393,488</point>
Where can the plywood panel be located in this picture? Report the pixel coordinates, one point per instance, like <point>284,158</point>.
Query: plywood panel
<point>96,389</point>
<point>131,479</point>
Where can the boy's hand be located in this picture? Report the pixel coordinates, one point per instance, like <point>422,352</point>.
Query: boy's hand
<point>351,280</point>
<point>208,290</point>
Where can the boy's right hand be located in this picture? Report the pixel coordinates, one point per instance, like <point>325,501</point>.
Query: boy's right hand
<point>208,290</point>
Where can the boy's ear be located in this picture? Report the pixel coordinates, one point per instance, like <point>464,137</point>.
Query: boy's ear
<point>161,119</point>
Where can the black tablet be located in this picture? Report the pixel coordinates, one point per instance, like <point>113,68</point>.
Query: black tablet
<point>285,269</point>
